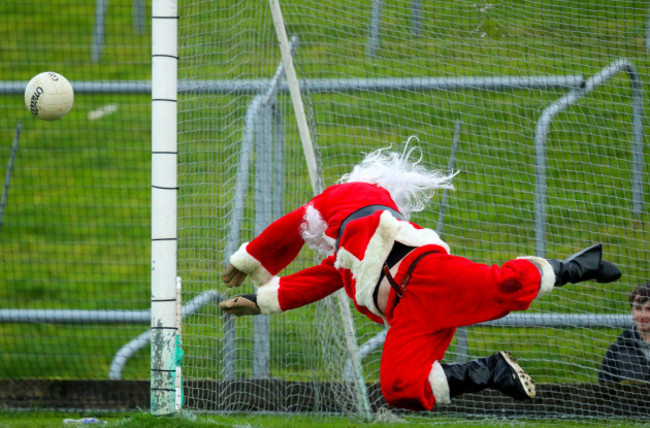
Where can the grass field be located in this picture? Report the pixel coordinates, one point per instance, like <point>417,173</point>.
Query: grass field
<point>76,230</point>
<point>188,420</point>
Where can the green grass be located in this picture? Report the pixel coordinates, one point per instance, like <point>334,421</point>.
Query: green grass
<point>190,420</point>
<point>77,226</point>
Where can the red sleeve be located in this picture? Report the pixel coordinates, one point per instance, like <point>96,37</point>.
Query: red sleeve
<point>309,285</point>
<point>279,244</point>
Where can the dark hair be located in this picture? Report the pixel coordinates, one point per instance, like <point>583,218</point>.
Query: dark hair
<point>640,294</point>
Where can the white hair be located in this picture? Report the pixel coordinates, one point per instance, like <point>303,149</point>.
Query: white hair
<point>410,185</point>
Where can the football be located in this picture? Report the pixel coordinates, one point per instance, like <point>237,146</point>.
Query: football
<point>49,96</point>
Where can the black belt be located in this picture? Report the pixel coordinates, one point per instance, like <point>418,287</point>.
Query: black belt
<point>364,212</point>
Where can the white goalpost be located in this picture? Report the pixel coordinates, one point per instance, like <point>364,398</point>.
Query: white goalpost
<point>164,325</point>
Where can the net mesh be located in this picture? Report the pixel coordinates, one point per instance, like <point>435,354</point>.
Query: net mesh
<point>534,102</point>
<point>75,220</point>
<point>538,104</point>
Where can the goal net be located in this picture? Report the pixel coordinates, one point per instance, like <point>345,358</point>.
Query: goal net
<point>538,104</point>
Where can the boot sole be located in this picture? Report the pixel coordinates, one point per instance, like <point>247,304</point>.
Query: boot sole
<point>527,383</point>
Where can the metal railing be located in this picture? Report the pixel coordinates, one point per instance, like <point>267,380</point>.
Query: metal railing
<point>515,319</point>
<point>563,103</point>
<point>261,114</point>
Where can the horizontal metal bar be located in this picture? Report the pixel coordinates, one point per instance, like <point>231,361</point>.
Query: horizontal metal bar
<point>82,316</point>
<point>516,319</point>
<point>562,320</point>
<point>520,319</point>
<point>134,345</point>
<point>257,86</point>
<point>74,316</point>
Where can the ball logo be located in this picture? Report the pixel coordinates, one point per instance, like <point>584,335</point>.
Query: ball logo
<point>33,106</point>
<point>49,96</point>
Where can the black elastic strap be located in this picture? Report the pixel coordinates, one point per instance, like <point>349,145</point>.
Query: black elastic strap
<point>364,212</point>
<point>397,253</point>
<point>391,280</point>
<point>409,272</point>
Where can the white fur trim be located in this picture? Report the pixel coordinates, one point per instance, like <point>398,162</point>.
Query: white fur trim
<point>379,246</point>
<point>366,272</point>
<point>547,273</point>
<point>312,231</point>
<point>267,297</point>
<point>346,259</point>
<point>413,237</point>
<point>439,384</point>
<point>248,264</point>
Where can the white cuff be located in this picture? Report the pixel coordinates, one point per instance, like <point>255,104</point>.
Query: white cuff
<point>267,297</point>
<point>439,384</point>
<point>248,264</point>
<point>546,271</point>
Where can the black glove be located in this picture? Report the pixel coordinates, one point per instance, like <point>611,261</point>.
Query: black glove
<point>583,266</point>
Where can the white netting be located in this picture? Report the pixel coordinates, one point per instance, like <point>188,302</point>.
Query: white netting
<point>538,104</point>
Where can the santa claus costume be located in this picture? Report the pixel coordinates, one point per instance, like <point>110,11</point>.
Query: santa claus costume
<point>363,223</point>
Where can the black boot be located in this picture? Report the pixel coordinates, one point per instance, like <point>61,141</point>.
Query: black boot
<point>499,371</point>
<point>583,266</point>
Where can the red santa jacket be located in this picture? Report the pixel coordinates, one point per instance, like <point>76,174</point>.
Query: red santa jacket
<point>356,265</point>
<point>363,249</point>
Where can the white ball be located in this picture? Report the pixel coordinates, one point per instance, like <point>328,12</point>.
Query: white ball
<point>49,96</point>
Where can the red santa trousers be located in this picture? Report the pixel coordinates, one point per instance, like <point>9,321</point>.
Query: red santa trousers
<point>444,292</point>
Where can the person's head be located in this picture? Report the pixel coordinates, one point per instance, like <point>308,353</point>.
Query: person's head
<point>640,305</point>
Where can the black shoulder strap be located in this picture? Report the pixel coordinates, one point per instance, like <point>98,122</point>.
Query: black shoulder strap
<point>364,212</point>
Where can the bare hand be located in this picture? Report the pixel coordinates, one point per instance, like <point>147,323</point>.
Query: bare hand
<point>233,277</point>
<point>239,306</point>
